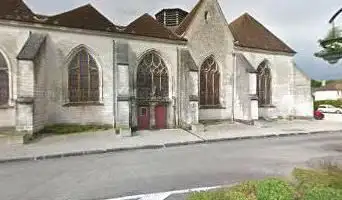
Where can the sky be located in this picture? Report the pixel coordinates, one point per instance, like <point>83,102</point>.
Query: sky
<point>299,23</point>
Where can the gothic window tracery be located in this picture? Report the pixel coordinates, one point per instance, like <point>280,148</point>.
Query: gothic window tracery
<point>4,81</point>
<point>209,83</point>
<point>152,77</point>
<point>83,84</point>
<point>264,83</point>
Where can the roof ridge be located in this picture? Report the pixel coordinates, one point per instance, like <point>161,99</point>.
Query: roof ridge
<point>74,9</point>
<point>86,17</point>
<point>146,16</point>
<point>184,25</point>
<point>23,2</point>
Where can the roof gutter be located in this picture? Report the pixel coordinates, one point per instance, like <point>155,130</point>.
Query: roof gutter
<point>255,50</point>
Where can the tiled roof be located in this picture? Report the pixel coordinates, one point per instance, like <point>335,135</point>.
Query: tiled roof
<point>248,32</point>
<point>15,10</point>
<point>188,19</point>
<point>146,25</point>
<point>85,17</point>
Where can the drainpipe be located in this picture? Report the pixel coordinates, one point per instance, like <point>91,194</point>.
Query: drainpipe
<point>114,84</point>
<point>233,86</point>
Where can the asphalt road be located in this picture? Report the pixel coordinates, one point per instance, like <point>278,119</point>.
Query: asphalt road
<point>114,175</point>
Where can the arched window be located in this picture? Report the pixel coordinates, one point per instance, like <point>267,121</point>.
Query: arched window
<point>152,77</point>
<point>209,83</point>
<point>264,83</point>
<point>83,78</point>
<point>4,81</point>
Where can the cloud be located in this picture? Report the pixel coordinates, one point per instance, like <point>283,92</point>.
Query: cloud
<point>300,23</point>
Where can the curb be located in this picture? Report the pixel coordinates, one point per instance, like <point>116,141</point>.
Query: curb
<point>167,145</point>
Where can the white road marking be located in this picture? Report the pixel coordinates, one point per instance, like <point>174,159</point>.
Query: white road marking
<point>164,195</point>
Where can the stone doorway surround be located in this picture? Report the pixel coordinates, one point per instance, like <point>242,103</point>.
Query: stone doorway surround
<point>151,105</point>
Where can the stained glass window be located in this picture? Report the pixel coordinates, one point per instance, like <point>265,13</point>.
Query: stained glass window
<point>83,78</point>
<point>4,81</point>
<point>152,77</point>
<point>209,83</point>
<point>264,83</point>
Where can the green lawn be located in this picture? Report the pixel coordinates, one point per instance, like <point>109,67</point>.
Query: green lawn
<point>305,184</point>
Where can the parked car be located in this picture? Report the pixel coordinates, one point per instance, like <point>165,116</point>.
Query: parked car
<point>329,109</point>
<point>318,115</point>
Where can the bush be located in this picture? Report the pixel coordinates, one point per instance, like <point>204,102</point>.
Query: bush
<point>336,103</point>
<point>274,189</point>
<point>248,189</point>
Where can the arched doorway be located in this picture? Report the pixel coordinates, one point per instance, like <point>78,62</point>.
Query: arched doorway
<point>152,92</point>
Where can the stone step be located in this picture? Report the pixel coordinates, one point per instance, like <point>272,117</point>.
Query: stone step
<point>197,128</point>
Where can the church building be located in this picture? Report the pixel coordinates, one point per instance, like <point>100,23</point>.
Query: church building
<point>172,70</point>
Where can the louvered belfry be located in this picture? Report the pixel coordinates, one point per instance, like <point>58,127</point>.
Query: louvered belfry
<point>171,17</point>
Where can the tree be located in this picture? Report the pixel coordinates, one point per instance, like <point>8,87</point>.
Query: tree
<point>316,84</point>
<point>332,43</point>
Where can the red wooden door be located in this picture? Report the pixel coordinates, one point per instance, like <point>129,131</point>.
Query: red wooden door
<point>143,118</point>
<point>160,114</point>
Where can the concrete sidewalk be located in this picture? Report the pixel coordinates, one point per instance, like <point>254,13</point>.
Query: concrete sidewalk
<point>108,141</point>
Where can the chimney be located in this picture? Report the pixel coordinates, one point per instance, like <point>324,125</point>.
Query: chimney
<point>171,17</point>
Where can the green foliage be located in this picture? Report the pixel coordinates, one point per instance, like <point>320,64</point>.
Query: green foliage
<point>336,103</point>
<point>316,84</point>
<point>318,193</point>
<point>324,183</point>
<point>334,32</point>
<point>329,176</point>
<point>219,195</point>
<point>73,128</point>
<point>275,189</point>
<point>212,195</point>
<point>247,188</point>
<point>28,138</point>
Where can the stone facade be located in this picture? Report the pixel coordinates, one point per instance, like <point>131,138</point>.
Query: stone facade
<point>211,37</point>
<point>39,86</point>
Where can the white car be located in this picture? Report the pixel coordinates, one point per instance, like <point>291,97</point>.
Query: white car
<point>329,109</point>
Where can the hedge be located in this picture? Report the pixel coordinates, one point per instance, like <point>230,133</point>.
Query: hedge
<point>336,103</point>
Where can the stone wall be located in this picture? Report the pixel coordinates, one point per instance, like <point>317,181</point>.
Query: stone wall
<point>11,42</point>
<point>289,86</point>
<point>213,37</point>
<point>169,53</point>
<point>40,112</point>
<point>303,95</point>
<point>53,72</point>
<point>242,101</point>
<point>25,99</point>
<point>188,89</point>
